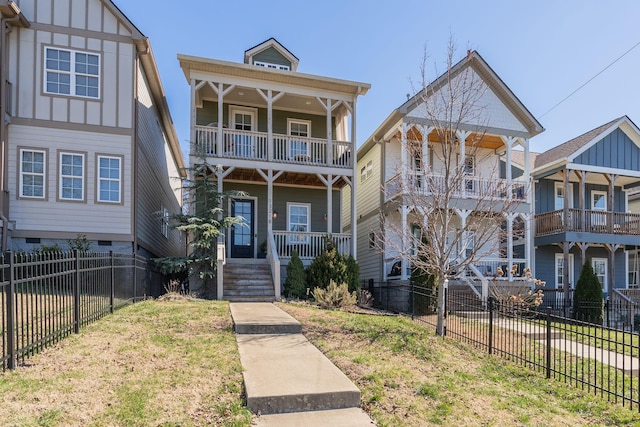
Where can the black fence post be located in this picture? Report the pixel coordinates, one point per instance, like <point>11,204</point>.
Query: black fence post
<point>387,296</point>
<point>113,282</point>
<point>444,311</point>
<point>413,300</point>
<point>11,314</point>
<point>76,293</point>
<point>491,307</point>
<point>135,277</point>
<point>608,306</point>
<point>548,342</point>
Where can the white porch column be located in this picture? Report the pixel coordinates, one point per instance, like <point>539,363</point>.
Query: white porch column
<point>404,212</point>
<point>270,99</point>
<point>354,165</point>
<point>462,140</point>
<point>404,154</point>
<point>192,115</point>
<point>328,107</point>
<point>220,263</point>
<point>528,238</point>
<point>527,169</point>
<point>510,217</point>
<point>220,118</point>
<point>508,171</point>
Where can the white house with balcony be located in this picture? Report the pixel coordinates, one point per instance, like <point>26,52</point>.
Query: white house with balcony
<point>405,155</point>
<point>284,138</point>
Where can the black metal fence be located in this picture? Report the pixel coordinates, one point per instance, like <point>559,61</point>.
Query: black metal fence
<point>46,296</point>
<point>595,357</point>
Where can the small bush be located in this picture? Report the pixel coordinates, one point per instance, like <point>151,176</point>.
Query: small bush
<point>295,285</point>
<point>588,303</point>
<point>425,292</point>
<point>334,296</point>
<point>331,265</point>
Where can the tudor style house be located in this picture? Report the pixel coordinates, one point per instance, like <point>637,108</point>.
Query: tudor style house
<point>405,155</point>
<point>88,144</point>
<point>582,209</point>
<point>287,140</point>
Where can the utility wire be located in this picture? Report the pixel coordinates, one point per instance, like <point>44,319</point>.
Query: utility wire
<point>589,81</point>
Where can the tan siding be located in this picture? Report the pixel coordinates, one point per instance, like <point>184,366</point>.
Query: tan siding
<point>369,190</point>
<point>78,13</point>
<point>61,13</point>
<point>369,259</point>
<point>26,73</point>
<point>87,217</point>
<point>155,189</point>
<point>125,84</point>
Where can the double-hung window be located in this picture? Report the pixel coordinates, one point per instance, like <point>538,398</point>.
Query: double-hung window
<point>109,179</point>
<point>70,72</point>
<point>165,222</point>
<point>32,174</point>
<point>299,131</point>
<point>298,222</point>
<point>71,176</point>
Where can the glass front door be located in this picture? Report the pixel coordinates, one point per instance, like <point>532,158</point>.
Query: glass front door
<point>242,242</point>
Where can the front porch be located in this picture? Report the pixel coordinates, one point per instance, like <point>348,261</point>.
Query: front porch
<point>586,221</point>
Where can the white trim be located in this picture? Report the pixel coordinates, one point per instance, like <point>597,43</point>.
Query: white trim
<point>272,65</point>
<point>72,73</point>
<point>165,222</point>
<point>233,109</point>
<point>62,176</point>
<point>560,184</point>
<point>600,193</point>
<point>629,270</point>
<point>366,171</point>
<point>43,174</point>
<point>571,269</point>
<point>604,284</point>
<point>291,139</point>
<point>307,206</point>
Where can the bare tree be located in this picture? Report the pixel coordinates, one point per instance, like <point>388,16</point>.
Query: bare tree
<point>454,208</point>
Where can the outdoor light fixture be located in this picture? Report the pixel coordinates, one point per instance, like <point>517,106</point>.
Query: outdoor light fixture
<point>324,216</point>
<point>275,214</point>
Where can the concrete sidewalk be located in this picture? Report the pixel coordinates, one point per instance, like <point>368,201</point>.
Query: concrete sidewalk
<point>288,381</point>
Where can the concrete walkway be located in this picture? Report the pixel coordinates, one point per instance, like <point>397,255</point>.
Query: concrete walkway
<point>288,381</point>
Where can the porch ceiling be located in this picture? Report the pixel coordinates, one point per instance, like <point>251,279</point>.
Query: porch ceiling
<point>287,178</point>
<point>492,142</point>
<point>247,96</point>
<point>596,178</point>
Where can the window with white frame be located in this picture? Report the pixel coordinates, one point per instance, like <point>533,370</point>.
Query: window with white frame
<point>366,171</point>
<point>559,267</point>
<point>271,65</point>
<point>71,176</point>
<point>298,130</point>
<point>71,72</point>
<point>298,222</point>
<point>32,173</point>
<point>165,222</point>
<point>109,179</point>
<point>600,270</point>
<point>559,197</point>
<point>632,269</point>
<point>599,200</point>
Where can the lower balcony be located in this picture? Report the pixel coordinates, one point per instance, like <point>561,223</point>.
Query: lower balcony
<point>308,245</point>
<point>247,145</point>
<point>587,221</point>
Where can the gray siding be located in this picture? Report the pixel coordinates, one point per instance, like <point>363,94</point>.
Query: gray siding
<point>272,56</point>
<point>615,150</point>
<point>156,181</point>
<point>369,259</point>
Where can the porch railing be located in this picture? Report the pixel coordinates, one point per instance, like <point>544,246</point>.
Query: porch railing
<point>237,144</point>
<point>472,186</point>
<point>308,245</point>
<point>583,220</point>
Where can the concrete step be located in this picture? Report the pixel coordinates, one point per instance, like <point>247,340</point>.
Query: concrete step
<point>265,318</point>
<point>286,373</point>
<point>250,299</point>
<point>350,417</point>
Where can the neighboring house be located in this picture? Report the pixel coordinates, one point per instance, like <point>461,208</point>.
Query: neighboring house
<point>582,208</point>
<point>406,147</point>
<point>90,145</point>
<point>286,139</point>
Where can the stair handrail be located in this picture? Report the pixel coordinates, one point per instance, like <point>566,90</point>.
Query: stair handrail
<point>274,264</point>
<point>615,292</point>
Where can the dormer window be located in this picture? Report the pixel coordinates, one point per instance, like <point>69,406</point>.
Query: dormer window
<point>274,66</point>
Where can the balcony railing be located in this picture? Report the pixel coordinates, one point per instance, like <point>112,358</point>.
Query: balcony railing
<point>308,245</point>
<point>583,220</point>
<point>237,144</point>
<point>473,187</point>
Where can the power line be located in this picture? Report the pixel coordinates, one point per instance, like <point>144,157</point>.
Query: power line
<point>589,81</point>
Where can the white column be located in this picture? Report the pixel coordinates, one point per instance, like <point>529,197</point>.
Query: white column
<point>354,164</point>
<point>404,154</point>
<point>328,106</point>
<point>462,138</point>
<point>510,217</point>
<point>527,238</point>
<point>527,170</point>
<point>270,127</point>
<point>508,171</point>
<point>404,212</point>
<point>330,204</point>
<point>220,118</point>
<point>192,114</point>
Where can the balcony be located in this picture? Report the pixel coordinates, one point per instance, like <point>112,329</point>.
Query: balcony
<point>472,187</point>
<point>245,145</point>
<point>587,221</point>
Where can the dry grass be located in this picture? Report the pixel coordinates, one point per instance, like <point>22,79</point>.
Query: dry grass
<point>409,377</point>
<point>153,363</point>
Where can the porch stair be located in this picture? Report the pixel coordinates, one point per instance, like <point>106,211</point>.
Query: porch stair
<point>248,280</point>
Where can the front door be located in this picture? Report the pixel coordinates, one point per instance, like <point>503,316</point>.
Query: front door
<point>242,234</point>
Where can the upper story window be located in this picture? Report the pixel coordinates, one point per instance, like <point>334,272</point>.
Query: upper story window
<point>366,171</point>
<point>32,173</point>
<point>298,130</point>
<point>70,72</point>
<point>273,66</point>
<point>109,178</point>
<point>165,222</point>
<point>71,176</point>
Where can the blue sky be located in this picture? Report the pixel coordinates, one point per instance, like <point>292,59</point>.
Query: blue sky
<point>543,50</point>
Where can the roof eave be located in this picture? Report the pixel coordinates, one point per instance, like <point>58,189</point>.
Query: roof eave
<point>12,11</point>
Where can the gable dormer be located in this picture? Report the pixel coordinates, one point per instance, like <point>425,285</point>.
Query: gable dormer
<point>271,54</point>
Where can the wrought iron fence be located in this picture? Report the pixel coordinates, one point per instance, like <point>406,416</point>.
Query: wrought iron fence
<point>602,358</point>
<point>46,296</point>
